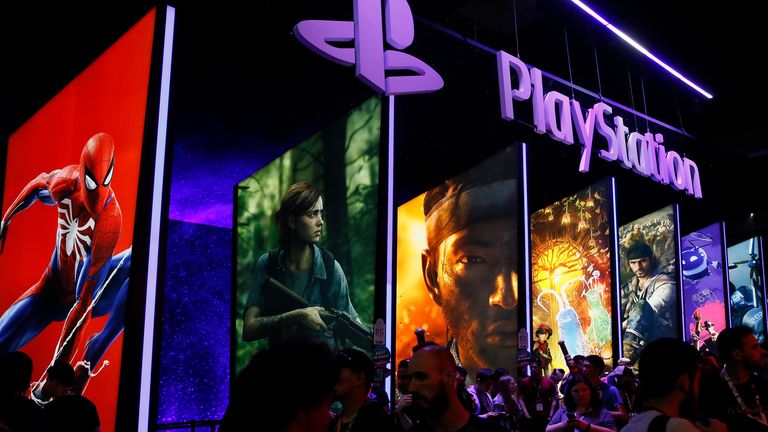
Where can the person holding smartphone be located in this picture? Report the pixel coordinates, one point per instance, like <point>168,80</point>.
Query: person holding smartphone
<point>583,410</point>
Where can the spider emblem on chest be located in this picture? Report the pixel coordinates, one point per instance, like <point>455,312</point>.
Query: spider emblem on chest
<point>69,227</point>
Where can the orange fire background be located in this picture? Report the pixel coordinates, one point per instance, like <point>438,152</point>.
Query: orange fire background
<point>415,308</point>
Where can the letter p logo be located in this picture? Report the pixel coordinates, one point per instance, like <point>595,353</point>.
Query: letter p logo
<point>369,57</point>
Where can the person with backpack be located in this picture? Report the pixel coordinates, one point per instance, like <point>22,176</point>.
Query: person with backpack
<point>669,387</point>
<point>297,282</point>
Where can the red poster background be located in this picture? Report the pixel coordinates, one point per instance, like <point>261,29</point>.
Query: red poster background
<point>109,96</point>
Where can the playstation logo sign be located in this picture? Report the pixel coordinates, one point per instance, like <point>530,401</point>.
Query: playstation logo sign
<point>369,57</point>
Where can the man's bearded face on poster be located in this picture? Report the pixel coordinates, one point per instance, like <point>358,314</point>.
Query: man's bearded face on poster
<point>470,267</point>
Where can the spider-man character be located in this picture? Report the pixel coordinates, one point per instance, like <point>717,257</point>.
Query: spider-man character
<point>84,278</point>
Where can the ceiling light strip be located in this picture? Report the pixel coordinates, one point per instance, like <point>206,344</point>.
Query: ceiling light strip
<point>640,48</point>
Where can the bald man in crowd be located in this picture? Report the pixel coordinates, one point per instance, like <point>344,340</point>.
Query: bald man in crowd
<point>433,388</point>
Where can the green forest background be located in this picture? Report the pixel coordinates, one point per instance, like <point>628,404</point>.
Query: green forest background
<point>342,160</point>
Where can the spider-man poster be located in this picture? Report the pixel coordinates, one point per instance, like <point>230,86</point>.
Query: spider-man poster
<point>68,210</point>
<point>701,260</point>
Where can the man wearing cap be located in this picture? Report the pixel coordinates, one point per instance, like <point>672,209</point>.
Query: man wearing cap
<point>623,378</point>
<point>358,412</point>
<point>470,264</point>
<point>648,300</point>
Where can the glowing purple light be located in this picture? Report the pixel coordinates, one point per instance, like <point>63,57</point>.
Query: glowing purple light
<point>154,235</point>
<point>390,226</point>
<point>676,209</point>
<point>640,48</point>
<point>615,273</point>
<point>526,241</point>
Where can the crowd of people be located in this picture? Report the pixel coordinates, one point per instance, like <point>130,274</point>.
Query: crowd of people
<point>676,388</point>
<point>307,387</point>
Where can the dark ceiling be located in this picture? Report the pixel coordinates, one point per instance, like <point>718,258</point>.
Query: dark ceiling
<point>44,47</point>
<point>715,47</point>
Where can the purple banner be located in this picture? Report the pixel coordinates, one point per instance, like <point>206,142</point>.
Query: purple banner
<point>703,285</point>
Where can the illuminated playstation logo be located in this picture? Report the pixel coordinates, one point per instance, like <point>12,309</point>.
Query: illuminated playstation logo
<point>369,57</point>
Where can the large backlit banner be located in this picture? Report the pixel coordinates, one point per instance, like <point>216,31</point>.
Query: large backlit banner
<point>306,241</point>
<point>457,259</point>
<point>745,273</point>
<point>571,274</point>
<point>649,280</point>
<point>701,261</point>
<point>68,214</point>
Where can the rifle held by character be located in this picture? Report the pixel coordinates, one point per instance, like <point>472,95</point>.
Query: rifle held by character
<point>341,324</point>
